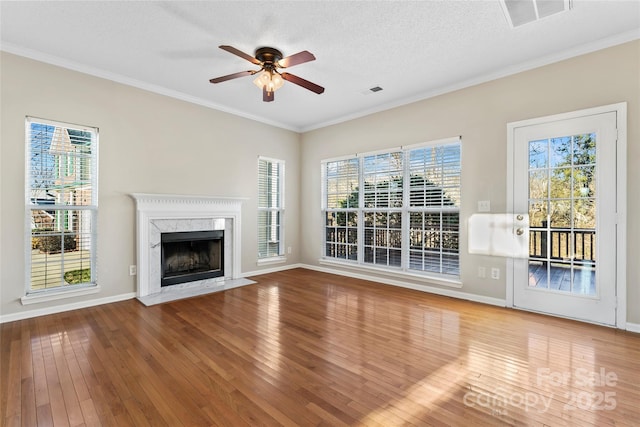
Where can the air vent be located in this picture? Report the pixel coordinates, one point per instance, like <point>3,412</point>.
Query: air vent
<point>520,12</point>
<point>371,90</point>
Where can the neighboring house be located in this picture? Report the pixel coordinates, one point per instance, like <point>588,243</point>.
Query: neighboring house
<point>70,185</point>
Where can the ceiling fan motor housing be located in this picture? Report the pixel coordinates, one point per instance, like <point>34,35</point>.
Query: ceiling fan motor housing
<point>268,55</point>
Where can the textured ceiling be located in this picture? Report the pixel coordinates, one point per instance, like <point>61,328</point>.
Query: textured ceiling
<point>412,50</point>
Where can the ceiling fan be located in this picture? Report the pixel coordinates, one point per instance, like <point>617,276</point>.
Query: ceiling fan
<point>270,60</point>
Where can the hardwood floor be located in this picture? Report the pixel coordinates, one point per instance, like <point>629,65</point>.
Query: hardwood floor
<point>302,348</point>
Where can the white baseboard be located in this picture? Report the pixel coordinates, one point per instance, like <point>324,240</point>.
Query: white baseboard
<point>633,327</point>
<point>424,288</point>
<point>65,307</point>
<point>271,270</point>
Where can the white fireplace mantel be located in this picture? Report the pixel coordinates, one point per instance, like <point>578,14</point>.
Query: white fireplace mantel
<point>156,213</point>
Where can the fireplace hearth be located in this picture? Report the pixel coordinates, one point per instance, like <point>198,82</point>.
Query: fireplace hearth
<point>191,256</point>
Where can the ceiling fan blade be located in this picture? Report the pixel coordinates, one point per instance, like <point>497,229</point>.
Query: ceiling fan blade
<point>240,53</point>
<point>232,76</point>
<point>267,96</point>
<point>302,82</point>
<point>296,58</point>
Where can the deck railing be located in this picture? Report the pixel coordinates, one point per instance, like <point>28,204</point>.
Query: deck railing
<point>562,244</point>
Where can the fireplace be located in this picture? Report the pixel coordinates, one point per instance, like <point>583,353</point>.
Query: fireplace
<point>158,214</point>
<point>190,256</point>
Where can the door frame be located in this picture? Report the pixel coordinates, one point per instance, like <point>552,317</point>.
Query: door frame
<point>621,197</point>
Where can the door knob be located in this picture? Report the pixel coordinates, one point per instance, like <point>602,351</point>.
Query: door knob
<point>520,217</point>
<point>519,231</point>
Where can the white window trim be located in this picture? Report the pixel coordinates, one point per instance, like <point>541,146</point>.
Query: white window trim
<point>281,257</point>
<point>427,277</point>
<point>403,270</point>
<point>56,293</point>
<point>621,197</point>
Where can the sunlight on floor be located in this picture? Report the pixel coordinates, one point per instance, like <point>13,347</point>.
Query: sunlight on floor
<point>424,396</point>
<point>269,328</point>
<point>489,381</point>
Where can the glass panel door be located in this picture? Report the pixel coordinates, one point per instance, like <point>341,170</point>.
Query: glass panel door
<point>564,178</point>
<point>562,214</point>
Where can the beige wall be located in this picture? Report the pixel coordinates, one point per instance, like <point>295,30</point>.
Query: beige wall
<point>149,144</point>
<point>480,114</point>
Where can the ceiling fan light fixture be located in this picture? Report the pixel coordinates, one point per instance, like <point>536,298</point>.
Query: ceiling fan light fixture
<point>277,81</point>
<point>269,79</point>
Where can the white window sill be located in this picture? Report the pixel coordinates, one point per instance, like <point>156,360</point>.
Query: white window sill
<point>272,260</point>
<point>396,273</point>
<point>45,296</point>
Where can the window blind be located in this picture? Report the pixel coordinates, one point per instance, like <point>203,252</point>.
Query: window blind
<point>341,201</point>
<point>270,207</point>
<point>434,204</point>
<point>383,200</point>
<point>61,199</point>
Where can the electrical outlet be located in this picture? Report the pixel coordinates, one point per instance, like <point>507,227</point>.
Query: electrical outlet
<point>289,250</point>
<point>133,270</point>
<point>495,273</point>
<point>482,272</point>
<point>484,206</point>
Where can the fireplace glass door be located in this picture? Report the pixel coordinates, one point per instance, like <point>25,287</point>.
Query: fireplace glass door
<point>192,256</point>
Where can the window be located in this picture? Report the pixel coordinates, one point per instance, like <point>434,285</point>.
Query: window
<point>382,208</point>
<point>270,207</point>
<point>397,209</point>
<point>62,204</point>
<point>341,226</point>
<point>434,208</point>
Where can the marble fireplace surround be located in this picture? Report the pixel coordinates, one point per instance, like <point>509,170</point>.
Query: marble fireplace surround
<point>160,213</point>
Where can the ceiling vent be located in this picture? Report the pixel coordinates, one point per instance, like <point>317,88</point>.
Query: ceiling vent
<point>520,12</point>
<point>373,89</point>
